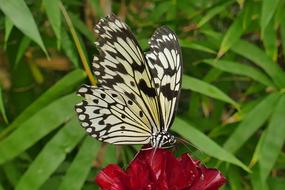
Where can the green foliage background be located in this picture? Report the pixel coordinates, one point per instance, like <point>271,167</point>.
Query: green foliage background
<point>232,107</point>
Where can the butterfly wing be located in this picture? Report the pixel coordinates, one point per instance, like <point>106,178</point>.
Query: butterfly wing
<point>121,66</point>
<point>165,62</point>
<point>112,117</point>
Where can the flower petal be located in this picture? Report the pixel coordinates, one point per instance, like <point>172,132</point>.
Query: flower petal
<point>112,178</point>
<point>185,173</point>
<point>210,179</point>
<point>140,175</point>
<point>159,169</point>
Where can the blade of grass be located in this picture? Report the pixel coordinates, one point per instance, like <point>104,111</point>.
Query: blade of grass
<point>256,154</point>
<point>19,13</point>
<point>82,28</point>
<point>273,140</point>
<point>78,171</point>
<point>8,29</point>
<point>213,12</point>
<point>24,44</point>
<point>268,9</point>
<point>62,87</point>
<point>51,156</point>
<point>240,69</point>
<point>282,33</point>
<point>37,126</point>
<point>276,183</point>
<point>69,48</point>
<point>12,172</point>
<point>251,122</point>
<point>2,107</point>
<point>234,178</point>
<point>270,41</point>
<point>53,14</point>
<point>256,182</point>
<point>207,89</point>
<point>78,45</point>
<point>254,54</point>
<point>258,56</point>
<point>204,143</point>
<point>232,35</point>
<point>196,46</point>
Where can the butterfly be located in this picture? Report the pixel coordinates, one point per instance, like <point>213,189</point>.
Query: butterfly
<point>137,96</point>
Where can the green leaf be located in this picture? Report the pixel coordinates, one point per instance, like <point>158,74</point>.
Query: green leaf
<point>251,122</point>
<point>276,183</point>
<point>256,154</point>
<point>78,171</point>
<point>19,13</point>
<point>160,9</point>
<point>273,140</point>
<point>62,87</point>
<point>204,143</point>
<point>12,172</point>
<point>213,12</point>
<point>82,28</point>
<point>54,16</point>
<point>196,46</point>
<point>258,56</point>
<point>256,182</point>
<point>207,89</point>
<point>8,30</point>
<point>268,9</point>
<point>51,156</point>
<point>240,69</point>
<point>24,44</point>
<point>2,107</point>
<point>234,178</point>
<point>270,41</point>
<point>282,33</point>
<point>69,48</point>
<point>37,126</point>
<point>232,35</point>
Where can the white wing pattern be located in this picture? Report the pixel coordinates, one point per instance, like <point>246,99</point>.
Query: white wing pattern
<point>107,114</point>
<point>165,62</point>
<point>137,95</point>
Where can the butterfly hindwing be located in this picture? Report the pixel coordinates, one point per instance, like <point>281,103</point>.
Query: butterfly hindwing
<point>165,63</point>
<point>121,66</point>
<point>112,117</point>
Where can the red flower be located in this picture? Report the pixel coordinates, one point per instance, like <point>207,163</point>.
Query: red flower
<point>160,170</point>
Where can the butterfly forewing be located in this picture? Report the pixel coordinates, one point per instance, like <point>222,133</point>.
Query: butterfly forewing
<point>121,66</point>
<point>165,63</point>
<point>112,117</point>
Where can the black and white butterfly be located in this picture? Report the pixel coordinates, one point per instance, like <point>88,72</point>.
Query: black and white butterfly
<point>137,96</point>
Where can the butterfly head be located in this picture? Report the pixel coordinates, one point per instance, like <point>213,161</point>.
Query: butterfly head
<point>160,139</point>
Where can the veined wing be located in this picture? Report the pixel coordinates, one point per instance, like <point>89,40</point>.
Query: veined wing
<point>112,117</point>
<point>165,63</point>
<point>121,66</point>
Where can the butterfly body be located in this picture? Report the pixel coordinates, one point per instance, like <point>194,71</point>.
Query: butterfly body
<point>138,92</point>
<point>162,138</point>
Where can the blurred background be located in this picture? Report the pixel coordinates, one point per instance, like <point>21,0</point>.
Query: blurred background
<point>232,107</point>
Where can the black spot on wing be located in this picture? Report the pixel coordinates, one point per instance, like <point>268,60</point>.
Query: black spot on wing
<point>147,90</point>
<point>167,92</point>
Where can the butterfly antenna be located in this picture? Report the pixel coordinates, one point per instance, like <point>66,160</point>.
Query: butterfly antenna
<point>185,143</point>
